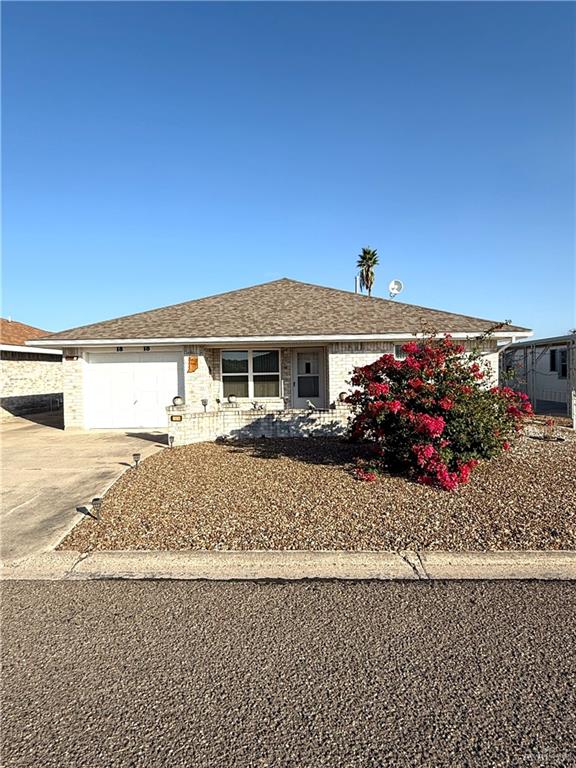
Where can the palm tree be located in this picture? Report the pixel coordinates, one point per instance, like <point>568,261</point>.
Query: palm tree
<point>367,260</point>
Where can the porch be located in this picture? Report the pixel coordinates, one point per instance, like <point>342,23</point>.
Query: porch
<point>272,378</point>
<point>187,426</point>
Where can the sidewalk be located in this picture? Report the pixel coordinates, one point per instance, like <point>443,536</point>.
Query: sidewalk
<point>293,565</point>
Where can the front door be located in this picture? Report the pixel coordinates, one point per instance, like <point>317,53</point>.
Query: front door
<point>308,378</point>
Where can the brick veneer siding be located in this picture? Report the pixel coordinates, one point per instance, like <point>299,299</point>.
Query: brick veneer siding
<point>201,383</point>
<point>73,371</point>
<point>29,386</point>
<point>196,427</point>
<point>343,357</point>
<point>206,381</point>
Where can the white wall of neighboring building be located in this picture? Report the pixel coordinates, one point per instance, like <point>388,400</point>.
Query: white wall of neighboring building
<point>528,368</point>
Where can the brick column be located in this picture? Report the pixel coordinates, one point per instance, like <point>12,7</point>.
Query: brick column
<point>73,388</point>
<point>199,384</point>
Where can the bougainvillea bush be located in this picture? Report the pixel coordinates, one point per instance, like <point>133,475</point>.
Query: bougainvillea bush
<point>432,414</point>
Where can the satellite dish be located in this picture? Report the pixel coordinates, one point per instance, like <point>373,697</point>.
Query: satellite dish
<point>395,287</point>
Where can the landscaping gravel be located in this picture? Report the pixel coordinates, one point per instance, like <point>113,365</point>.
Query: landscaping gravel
<point>301,494</point>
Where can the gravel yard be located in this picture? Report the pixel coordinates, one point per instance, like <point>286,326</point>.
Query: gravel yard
<point>300,494</point>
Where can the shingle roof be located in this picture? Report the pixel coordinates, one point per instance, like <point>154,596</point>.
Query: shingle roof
<point>279,308</point>
<point>17,334</point>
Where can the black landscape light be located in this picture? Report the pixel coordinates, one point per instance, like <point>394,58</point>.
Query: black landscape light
<point>204,402</point>
<point>96,507</point>
<point>171,441</point>
<point>136,457</point>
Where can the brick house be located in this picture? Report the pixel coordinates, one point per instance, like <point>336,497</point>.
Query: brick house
<point>283,346</point>
<point>31,377</point>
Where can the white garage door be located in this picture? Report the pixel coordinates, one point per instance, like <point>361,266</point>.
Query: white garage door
<point>131,389</point>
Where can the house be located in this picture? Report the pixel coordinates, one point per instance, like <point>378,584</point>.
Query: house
<point>31,377</point>
<point>541,368</point>
<point>276,346</point>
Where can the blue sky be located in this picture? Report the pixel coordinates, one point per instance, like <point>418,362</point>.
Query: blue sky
<point>159,152</point>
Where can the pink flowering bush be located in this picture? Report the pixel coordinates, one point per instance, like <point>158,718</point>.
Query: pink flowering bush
<point>432,415</point>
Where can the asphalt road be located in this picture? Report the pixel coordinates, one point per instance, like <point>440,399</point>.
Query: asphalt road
<point>310,674</point>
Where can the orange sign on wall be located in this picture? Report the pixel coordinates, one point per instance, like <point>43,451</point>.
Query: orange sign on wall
<point>192,363</point>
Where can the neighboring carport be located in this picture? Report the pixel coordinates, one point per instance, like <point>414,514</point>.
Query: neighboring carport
<point>47,473</point>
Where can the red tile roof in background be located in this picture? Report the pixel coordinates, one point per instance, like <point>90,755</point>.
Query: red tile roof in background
<point>17,334</point>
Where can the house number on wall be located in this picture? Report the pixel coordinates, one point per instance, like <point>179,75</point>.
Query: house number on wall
<point>192,363</point>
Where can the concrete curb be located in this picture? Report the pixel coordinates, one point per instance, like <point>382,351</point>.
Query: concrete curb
<point>293,565</point>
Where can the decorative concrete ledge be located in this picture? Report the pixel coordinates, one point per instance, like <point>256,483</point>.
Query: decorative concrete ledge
<point>293,565</point>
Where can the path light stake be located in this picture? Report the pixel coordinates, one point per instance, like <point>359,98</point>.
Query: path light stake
<point>171,441</point>
<point>96,507</point>
<point>136,457</point>
<point>204,402</point>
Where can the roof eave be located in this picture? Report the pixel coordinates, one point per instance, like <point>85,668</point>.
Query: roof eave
<point>90,342</point>
<point>29,347</point>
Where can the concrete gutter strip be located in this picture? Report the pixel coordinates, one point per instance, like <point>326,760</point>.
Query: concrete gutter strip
<point>542,564</point>
<point>293,565</point>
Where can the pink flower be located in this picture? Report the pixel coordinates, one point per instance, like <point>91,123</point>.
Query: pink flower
<point>366,476</point>
<point>375,407</point>
<point>424,453</point>
<point>446,479</point>
<point>411,362</point>
<point>415,383</point>
<point>411,348</point>
<point>394,406</point>
<point>433,426</point>
<point>446,404</point>
<point>465,469</point>
<point>388,362</point>
<point>375,389</point>
<point>506,445</point>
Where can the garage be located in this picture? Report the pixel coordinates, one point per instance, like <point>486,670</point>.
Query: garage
<point>130,390</point>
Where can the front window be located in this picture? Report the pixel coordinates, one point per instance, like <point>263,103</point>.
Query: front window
<point>399,353</point>
<point>553,360</point>
<point>251,373</point>
<point>563,364</point>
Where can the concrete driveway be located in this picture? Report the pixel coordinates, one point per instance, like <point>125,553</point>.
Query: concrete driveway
<point>47,473</point>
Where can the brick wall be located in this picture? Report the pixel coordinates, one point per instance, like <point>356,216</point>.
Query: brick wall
<point>196,427</point>
<point>200,384</point>
<point>30,386</point>
<point>343,357</point>
<point>73,371</point>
